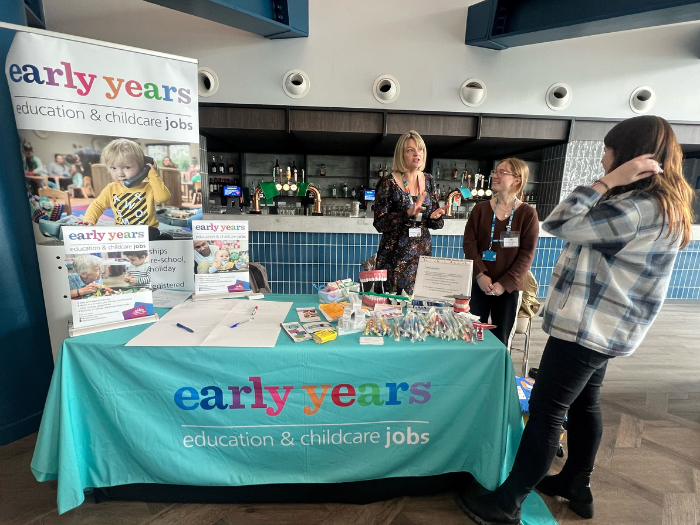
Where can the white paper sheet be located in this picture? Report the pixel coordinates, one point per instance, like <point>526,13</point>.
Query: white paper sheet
<point>164,298</point>
<point>439,279</point>
<point>211,322</point>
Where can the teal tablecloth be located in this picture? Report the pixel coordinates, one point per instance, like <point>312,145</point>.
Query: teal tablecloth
<point>117,415</point>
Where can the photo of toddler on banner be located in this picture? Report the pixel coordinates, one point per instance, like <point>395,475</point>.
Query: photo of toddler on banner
<point>135,190</point>
<point>222,262</point>
<point>137,272</point>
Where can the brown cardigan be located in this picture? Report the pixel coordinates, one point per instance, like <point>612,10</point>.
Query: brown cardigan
<point>511,264</point>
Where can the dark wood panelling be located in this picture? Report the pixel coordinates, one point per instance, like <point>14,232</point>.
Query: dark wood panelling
<point>591,130</point>
<point>454,126</point>
<point>524,128</point>
<point>242,118</point>
<point>337,121</point>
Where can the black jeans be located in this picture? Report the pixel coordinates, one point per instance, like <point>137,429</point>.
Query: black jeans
<point>569,379</point>
<point>503,309</point>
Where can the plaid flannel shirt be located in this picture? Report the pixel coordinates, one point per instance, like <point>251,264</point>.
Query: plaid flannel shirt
<point>612,275</point>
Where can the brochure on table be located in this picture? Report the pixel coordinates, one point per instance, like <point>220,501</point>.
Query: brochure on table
<point>221,256</point>
<point>237,324</point>
<point>440,279</point>
<point>108,277</point>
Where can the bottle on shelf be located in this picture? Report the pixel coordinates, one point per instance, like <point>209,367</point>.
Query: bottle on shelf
<point>231,167</point>
<point>380,173</point>
<point>222,168</point>
<point>386,170</point>
<point>353,193</point>
<point>455,173</point>
<point>464,175</point>
<point>345,190</point>
<point>211,186</point>
<point>437,171</point>
<point>323,170</point>
<point>213,167</point>
<point>334,191</point>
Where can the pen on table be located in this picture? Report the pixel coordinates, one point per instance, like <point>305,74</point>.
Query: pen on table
<point>251,318</point>
<point>185,328</point>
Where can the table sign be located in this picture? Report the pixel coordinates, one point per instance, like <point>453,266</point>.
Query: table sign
<point>108,277</point>
<point>440,279</point>
<point>222,264</point>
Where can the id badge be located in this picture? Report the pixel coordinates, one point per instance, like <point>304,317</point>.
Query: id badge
<point>414,232</point>
<point>510,240</point>
<point>488,255</point>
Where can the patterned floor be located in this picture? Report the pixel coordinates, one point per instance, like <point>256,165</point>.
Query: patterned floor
<point>647,469</point>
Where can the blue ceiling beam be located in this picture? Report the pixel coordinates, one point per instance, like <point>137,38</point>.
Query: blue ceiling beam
<point>273,19</point>
<point>500,24</point>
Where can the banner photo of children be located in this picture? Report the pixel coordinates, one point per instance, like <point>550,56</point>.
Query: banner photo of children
<point>108,274</point>
<point>116,181</point>
<point>103,141</point>
<point>221,257</point>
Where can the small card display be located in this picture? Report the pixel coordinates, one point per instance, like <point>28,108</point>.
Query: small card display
<point>296,332</point>
<point>308,314</point>
<point>316,327</point>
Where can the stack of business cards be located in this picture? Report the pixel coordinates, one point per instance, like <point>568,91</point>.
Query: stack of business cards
<point>296,332</point>
<point>371,340</point>
<point>308,315</point>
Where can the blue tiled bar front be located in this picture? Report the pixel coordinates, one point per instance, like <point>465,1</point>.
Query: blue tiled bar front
<point>296,260</point>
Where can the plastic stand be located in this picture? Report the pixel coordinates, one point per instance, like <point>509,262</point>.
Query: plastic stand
<point>84,330</point>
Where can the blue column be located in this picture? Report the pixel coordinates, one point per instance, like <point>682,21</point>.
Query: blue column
<point>25,348</point>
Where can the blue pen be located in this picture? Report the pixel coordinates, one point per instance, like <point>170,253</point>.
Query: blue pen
<point>185,328</point>
<point>255,310</point>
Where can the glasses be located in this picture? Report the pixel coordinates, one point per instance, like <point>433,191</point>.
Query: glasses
<point>500,173</point>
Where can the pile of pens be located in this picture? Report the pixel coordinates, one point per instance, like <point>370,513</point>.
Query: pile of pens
<point>419,323</point>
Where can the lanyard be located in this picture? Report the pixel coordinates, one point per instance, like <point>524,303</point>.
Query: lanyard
<point>405,184</point>
<point>493,223</point>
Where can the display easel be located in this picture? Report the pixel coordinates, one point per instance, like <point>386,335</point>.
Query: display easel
<point>84,330</point>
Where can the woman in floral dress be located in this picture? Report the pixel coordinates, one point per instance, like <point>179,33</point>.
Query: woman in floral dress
<point>405,209</point>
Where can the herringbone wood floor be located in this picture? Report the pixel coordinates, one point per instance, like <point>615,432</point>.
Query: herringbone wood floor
<point>647,469</point>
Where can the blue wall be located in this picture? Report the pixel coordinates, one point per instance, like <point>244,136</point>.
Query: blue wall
<point>296,260</point>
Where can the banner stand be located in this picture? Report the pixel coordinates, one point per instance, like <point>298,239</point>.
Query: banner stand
<point>73,332</point>
<point>234,295</point>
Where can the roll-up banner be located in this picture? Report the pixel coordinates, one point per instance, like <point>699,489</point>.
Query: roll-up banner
<point>109,138</point>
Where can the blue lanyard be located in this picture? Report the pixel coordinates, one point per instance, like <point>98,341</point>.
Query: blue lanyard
<point>510,221</point>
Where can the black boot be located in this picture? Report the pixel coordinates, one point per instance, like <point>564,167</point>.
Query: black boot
<point>484,506</point>
<point>576,487</point>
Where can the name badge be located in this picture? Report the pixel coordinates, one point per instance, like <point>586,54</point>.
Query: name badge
<point>414,232</point>
<point>488,255</point>
<point>510,240</point>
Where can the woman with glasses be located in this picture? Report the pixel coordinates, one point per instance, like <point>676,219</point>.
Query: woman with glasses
<point>406,207</point>
<point>500,238</point>
<point>623,234</point>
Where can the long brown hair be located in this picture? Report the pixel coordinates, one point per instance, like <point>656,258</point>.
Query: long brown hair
<point>650,134</point>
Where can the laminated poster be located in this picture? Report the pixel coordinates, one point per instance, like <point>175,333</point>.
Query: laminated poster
<point>221,258</point>
<point>108,273</point>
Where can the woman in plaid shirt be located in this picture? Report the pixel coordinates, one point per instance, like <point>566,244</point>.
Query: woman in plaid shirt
<point>623,234</point>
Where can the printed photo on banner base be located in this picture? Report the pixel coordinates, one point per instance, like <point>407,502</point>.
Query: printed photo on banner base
<point>74,179</point>
<point>221,257</point>
<point>108,274</point>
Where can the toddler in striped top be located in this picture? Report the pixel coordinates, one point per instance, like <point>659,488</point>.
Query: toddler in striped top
<point>137,272</point>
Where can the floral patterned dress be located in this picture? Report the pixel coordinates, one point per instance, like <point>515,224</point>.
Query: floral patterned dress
<point>398,253</point>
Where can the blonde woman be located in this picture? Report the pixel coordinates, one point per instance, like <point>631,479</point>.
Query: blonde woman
<point>500,238</point>
<point>405,209</point>
<point>623,234</point>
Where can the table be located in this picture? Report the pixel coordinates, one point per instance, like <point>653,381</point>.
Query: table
<point>186,189</point>
<point>295,413</point>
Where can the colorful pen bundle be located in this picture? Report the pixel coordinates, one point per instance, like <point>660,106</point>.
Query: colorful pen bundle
<point>378,325</point>
<point>420,323</point>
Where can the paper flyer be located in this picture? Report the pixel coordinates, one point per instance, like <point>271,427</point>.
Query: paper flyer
<point>221,258</point>
<point>108,273</point>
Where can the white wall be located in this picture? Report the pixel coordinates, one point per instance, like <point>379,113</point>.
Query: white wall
<point>418,42</point>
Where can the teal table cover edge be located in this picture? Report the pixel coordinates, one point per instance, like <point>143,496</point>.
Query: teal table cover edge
<point>295,413</point>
